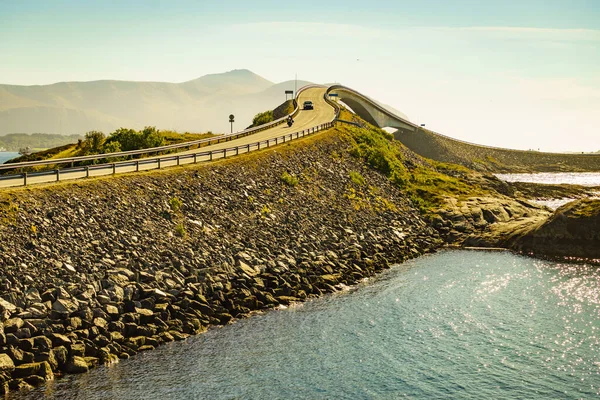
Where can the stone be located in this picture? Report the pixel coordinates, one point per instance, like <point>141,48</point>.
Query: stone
<point>43,343</point>
<point>60,354</point>
<point>64,307</point>
<point>76,365</point>
<point>77,349</point>
<point>49,358</point>
<point>42,369</point>
<point>6,308</point>
<point>60,340</point>
<point>13,325</point>
<point>6,363</point>
<point>146,316</point>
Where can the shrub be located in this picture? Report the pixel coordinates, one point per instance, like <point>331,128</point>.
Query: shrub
<point>93,142</point>
<point>175,204</point>
<point>357,178</point>
<point>288,179</point>
<point>180,230</point>
<point>262,118</point>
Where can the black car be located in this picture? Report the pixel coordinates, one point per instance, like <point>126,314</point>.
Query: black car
<point>308,105</point>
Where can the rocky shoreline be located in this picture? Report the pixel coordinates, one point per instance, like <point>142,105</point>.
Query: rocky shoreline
<point>99,271</point>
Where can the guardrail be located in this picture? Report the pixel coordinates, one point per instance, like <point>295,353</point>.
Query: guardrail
<point>373,103</point>
<point>188,145</point>
<point>162,161</point>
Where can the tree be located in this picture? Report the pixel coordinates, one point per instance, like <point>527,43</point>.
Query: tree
<point>151,137</point>
<point>92,143</point>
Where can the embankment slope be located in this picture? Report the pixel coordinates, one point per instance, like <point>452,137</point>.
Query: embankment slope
<point>98,270</point>
<point>490,159</point>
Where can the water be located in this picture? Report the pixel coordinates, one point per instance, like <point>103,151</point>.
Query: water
<point>555,178</point>
<point>7,155</point>
<point>458,324</point>
<point>553,204</point>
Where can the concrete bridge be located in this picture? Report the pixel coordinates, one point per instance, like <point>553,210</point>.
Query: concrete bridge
<point>371,111</point>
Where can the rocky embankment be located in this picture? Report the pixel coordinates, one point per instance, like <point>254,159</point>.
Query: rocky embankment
<point>99,271</point>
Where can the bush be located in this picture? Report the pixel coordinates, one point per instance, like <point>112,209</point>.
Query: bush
<point>262,118</point>
<point>180,230</point>
<point>175,204</point>
<point>357,178</point>
<point>130,139</point>
<point>290,180</point>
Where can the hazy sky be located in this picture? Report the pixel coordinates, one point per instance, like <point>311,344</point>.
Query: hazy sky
<point>514,73</point>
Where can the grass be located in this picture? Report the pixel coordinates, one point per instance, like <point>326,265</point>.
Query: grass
<point>175,204</point>
<point>427,184</point>
<point>180,230</point>
<point>289,179</point>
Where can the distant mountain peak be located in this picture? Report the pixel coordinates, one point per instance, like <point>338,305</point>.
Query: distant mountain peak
<point>236,75</point>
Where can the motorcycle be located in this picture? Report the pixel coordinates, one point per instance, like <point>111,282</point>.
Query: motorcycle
<point>290,122</point>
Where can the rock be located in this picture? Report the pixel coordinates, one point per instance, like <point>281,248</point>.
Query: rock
<point>13,325</point>
<point>69,268</point>
<point>64,307</point>
<point>6,309</point>
<point>41,369</point>
<point>49,358</point>
<point>146,316</point>
<point>59,340</point>
<point>6,363</point>
<point>572,231</point>
<point>76,365</point>
<point>60,354</point>
<point>77,350</point>
<point>26,344</point>
<point>43,343</point>
<point>246,268</point>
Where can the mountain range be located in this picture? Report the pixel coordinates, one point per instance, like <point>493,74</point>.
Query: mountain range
<point>199,105</point>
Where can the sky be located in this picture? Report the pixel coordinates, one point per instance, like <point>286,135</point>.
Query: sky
<point>518,73</point>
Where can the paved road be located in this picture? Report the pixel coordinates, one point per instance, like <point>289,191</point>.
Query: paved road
<point>304,120</point>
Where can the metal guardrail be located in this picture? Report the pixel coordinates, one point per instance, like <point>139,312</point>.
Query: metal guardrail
<point>373,103</point>
<point>194,158</point>
<point>200,143</point>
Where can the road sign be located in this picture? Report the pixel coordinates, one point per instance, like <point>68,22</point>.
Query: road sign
<point>289,92</point>
<point>333,95</point>
<point>231,121</point>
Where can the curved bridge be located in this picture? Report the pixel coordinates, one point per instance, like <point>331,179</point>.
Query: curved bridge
<point>370,110</point>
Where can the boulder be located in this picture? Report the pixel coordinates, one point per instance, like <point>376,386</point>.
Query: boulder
<point>6,363</point>
<point>12,325</point>
<point>41,369</point>
<point>76,365</point>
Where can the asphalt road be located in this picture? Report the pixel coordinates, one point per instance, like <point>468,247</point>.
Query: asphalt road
<point>304,120</point>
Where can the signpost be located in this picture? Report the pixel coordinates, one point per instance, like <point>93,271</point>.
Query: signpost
<point>290,92</point>
<point>231,121</point>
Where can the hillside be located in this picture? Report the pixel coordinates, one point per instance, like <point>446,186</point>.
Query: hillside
<point>492,159</point>
<point>201,104</point>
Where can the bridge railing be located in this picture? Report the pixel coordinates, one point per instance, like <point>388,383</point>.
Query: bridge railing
<point>373,103</point>
<point>186,145</point>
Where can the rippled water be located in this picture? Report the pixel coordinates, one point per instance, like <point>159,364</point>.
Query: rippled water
<point>458,324</point>
<point>553,204</point>
<point>7,155</point>
<point>555,178</point>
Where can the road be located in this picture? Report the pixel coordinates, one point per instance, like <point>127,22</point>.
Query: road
<point>304,120</point>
